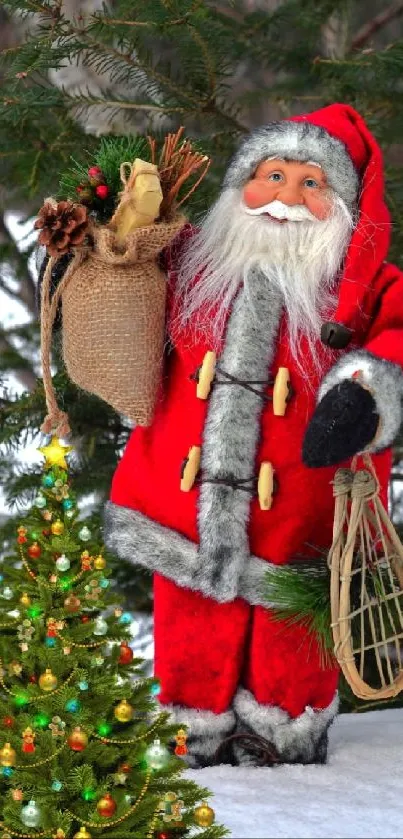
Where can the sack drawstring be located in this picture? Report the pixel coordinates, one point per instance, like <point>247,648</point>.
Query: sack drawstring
<point>56,420</point>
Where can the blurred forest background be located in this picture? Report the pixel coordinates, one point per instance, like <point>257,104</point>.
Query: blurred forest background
<point>73,70</point>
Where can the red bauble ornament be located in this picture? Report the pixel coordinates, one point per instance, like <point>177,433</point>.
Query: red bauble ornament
<point>34,551</point>
<point>85,618</point>
<point>125,768</point>
<point>163,835</point>
<point>33,678</point>
<point>102,191</point>
<point>21,540</point>
<point>106,806</point>
<point>94,172</point>
<point>77,740</point>
<point>45,532</point>
<point>8,722</point>
<point>126,654</point>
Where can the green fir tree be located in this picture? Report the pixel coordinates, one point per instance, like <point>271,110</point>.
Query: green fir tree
<point>84,750</point>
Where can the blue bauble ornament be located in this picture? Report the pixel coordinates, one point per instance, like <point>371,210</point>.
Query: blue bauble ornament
<point>125,618</point>
<point>83,685</point>
<point>72,705</point>
<point>57,786</point>
<point>7,771</point>
<point>50,642</point>
<point>67,504</point>
<point>48,480</point>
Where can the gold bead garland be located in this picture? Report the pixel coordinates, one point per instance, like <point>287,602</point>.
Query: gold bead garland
<point>40,697</point>
<point>85,646</point>
<point>133,740</point>
<point>106,824</point>
<point>36,835</point>
<point>43,581</point>
<point>150,834</point>
<point>41,762</point>
<point>27,568</point>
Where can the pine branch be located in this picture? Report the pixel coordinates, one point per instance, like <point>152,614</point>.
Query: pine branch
<point>369,29</point>
<point>24,374</point>
<point>26,290</point>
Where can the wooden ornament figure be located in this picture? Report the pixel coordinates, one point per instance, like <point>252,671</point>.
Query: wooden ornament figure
<point>28,736</point>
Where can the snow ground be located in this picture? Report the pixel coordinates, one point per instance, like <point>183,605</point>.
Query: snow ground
<point>357,795</point>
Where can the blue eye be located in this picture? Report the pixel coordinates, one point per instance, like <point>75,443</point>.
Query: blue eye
<point>275,176</point>
<point>311,183</point>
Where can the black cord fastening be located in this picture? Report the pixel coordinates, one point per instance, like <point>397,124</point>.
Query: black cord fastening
<point>233,380</point>
<point>234,483</point>
<point>238,483</point>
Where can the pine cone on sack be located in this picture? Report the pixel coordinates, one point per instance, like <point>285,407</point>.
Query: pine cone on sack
<point>63,225</point>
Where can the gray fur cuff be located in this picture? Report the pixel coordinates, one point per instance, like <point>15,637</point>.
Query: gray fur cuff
<point>383,379</point>
<point>142,541</point>
<point>296,739</point>
<point>205,730</point>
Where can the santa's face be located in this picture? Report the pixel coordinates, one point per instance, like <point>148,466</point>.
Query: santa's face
<point>288,223</point>
<point>293,184</point>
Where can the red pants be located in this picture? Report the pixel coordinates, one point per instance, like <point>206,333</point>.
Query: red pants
<point>204,650</point>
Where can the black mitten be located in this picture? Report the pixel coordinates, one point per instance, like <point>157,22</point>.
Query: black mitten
<point>344,423</point>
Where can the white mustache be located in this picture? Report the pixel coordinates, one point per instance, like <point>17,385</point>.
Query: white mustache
<point>282,211</point>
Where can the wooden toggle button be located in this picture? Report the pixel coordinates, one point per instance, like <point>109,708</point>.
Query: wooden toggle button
<point>190,468</point>
<point>206,375</point>
<point>265,485</point>
<point>281,391</point>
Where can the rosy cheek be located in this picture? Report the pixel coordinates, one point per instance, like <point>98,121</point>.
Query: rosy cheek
<point>319,204</point>
<point>256,193</point>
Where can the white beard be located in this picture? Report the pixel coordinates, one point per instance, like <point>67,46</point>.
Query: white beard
<point>301,258</point>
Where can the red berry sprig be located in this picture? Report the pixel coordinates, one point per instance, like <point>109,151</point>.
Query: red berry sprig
<point>102,191</point>
<point>94,188</point>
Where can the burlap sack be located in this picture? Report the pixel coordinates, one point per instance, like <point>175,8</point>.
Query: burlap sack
<point>113,311</point>
<point>113,306</point>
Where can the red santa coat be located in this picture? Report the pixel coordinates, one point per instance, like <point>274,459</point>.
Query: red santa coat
<point>208,546</point>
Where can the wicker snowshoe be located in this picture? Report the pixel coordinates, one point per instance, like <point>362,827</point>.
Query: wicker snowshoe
<point>366,564</point>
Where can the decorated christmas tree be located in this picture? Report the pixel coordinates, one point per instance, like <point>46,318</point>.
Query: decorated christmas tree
<point>84,750</point>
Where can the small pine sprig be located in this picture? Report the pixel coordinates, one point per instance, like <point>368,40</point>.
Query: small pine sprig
<point>76,184</point>
<point>300,593</point>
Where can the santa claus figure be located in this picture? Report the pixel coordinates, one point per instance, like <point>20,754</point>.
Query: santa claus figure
<point>285,352</point>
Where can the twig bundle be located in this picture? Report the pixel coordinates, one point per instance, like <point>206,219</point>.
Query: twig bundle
<point>177,162</point>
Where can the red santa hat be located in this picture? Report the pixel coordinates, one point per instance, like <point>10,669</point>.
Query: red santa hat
<point>336,138</point>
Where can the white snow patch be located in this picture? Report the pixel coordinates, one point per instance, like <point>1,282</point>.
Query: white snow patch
<point>357,795</point>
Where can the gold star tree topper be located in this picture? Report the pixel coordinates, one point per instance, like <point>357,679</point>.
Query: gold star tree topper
<point>55,453</point>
